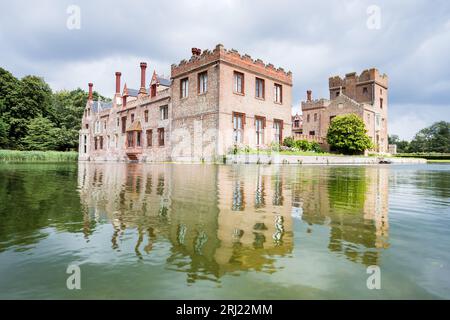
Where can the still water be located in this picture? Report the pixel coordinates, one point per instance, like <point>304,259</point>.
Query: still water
<point>205,231</point>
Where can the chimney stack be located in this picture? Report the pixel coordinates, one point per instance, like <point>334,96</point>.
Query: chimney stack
<point>196,51</point>
<point>118,74</point>
<point>308,95</point>
<point>90,84</point>
<point>143,67</point>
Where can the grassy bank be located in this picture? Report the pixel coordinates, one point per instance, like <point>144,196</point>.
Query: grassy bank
<point>37,156</point>
<point>428,156</point>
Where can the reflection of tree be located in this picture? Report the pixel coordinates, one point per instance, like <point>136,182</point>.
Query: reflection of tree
<point>352,201</point>
<point>347,189</point>
<point>34,197</point>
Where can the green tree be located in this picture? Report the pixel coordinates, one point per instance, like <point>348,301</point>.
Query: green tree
<point>402,145</point>
<point>4,129</point>
<point>435,138</point>
<point>42,135</point>
<point>347,134</point>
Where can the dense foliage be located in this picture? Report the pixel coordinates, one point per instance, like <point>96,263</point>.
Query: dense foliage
<point>435,138</point>
<point>347,134</point>
<point>302,145</point>
<point>32,117</point>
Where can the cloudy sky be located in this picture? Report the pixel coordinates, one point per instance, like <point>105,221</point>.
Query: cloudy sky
<point>314,39</point>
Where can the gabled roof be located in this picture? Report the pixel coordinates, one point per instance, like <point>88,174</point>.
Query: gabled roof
<point>164,82</point>
<point>98,106</point>
<point>128,92</point>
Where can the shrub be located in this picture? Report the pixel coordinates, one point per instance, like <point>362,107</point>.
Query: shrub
<point>347,134</point>
<point>289,142</point>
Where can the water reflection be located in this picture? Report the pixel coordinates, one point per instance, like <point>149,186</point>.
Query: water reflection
<point>227,219</point>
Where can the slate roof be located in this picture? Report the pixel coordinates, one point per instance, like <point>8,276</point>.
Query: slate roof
<point>132,92</point>
<point>98,106</point>
<point>164,82</point>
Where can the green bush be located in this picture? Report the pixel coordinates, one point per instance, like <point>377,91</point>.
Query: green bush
<point>37,156</point>
<point>289,142</point>
<point>347,134</point>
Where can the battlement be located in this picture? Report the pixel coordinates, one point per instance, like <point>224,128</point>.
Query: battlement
<point>245,61</point>
<point>314,104</point>
<point>367,75</point>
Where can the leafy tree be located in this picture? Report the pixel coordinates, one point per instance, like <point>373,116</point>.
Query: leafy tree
<point>435,138</point>
<point>347,134</point>
<point>4,129</point>
<point>402,145</point>
<point>42,135</point>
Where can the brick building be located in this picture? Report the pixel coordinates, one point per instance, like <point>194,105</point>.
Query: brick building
<point>213,101</point>
<point>366,95</point>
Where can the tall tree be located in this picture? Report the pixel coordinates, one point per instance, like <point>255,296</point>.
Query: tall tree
<point>435,138</point>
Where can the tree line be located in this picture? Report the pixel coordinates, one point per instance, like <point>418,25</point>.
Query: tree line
<point>33,117</point>
<point>435,138</point>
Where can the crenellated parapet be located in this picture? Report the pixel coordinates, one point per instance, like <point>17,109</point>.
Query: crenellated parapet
<point>233,57</point>
<point>368,75</point>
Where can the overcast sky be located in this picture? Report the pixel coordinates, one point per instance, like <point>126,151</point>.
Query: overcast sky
<point>314,39</point>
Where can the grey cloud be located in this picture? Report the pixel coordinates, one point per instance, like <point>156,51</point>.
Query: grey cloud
<point>313,39</point>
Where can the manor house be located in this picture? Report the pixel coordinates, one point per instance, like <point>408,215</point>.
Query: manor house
<point>213,101</point>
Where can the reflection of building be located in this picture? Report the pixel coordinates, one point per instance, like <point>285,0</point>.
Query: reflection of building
<point>365,95</point>
<point>354,203</point>
<point>211,102</point>
<point>225,219</point>
<point>210,230</point>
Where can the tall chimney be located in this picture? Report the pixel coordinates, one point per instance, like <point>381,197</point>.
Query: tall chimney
<point>90,84</point>
<point>118,74</point>
<point>143,67</point>
<point>196,51</point>
<point>308,95</point>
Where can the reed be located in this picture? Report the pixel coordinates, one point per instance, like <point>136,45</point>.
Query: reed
<point>37,156</point>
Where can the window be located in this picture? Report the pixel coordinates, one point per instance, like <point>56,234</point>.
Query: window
<point>368,119</point>
<point>312,133</point>
<point>238,82</point>
<point>132,117</point>
<point>238,126</point>
<point>124,124</point>
<point>153,90</point>
<point>164,110</point>
<point>184,87</point>
<point>278,93</point>
<point>95,143</point>
<point>87,126</point>
<point>104,125</point>
<point>146,115</point>
<point>161,137</point>
<point>381,103</point>
<point>118,122</point>
<point>101,142</point>
<point>202,82</point>
<point>296,123</point>
<point>308,118</point>
<point>130,141</point>
<point>278,131</point>
<point>149,134</point>
<point>315,116</point>
<point>365,90</point>
<point>259,88</point>
<point>138,138</point>
<point>337,93</point>
<point>260,123</point>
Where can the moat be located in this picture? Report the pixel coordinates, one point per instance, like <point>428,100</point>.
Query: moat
<point>180,231</point>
